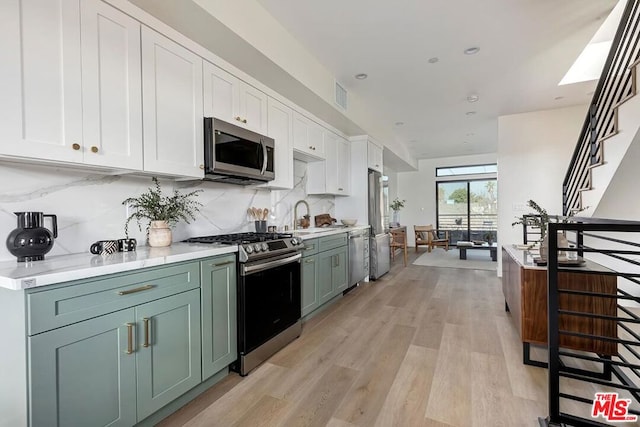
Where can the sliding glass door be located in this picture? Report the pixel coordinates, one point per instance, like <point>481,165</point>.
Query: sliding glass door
<point>468,209</point>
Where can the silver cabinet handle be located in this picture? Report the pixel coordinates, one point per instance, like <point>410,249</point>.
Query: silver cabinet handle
<point>222,263</point>
<point>133,291</point>
<point>308,261</point>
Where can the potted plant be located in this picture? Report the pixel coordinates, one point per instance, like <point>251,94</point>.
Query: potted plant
<point>395,206</point>
<point>162,212</point>
<point>541,220</point>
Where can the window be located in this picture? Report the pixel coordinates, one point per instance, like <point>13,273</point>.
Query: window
<point>468,209</point>
<point>467,170</point>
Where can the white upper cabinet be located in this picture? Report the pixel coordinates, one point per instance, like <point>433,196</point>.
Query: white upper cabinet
<point>70,83</point>
<point>40,79</point>
<point>172,113</point>
<point>308,139</point>
<point>333,175</point>
<point>374,156</point>
<point>343,164</point>
<point>280,120</point>
<point>230,99</point>
<point>111,87</point>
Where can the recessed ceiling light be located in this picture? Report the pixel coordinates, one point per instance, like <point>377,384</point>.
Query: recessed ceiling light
<point>465,142</point>
<point>413,141</point>
<point>399,123</point>
<point>473,98</point>
<point>470,134</point>
<point>471,50</point>
<point>470,113</point>
<point>361,76</point>
<point>557,98</point>
<point>433,60</point>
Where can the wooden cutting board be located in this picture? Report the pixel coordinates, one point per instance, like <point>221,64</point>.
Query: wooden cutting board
<point>323,220</point>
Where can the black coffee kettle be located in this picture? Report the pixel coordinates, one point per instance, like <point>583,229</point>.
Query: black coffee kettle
<point>30,241</point>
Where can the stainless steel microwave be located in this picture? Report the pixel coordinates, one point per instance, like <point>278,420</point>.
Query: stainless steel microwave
<point>236,155</point>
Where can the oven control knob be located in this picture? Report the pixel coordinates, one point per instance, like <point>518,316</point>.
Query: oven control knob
<point>265,247</point>
<point>256,247</point>
<point>248,248</point>
<point>294,241</point>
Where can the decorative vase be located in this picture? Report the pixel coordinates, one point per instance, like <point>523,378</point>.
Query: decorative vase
<point>159,234</point>
<point>544,246</point>
<point>395,218</point>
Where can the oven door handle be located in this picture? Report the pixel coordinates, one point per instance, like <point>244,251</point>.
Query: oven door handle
<point>247,270</point>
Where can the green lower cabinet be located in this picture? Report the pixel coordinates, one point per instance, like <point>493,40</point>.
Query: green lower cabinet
<point>340,273</point>
<point>219,328</point>
<point>332,273</point>
<point>81,375</point>
<point>118,368</point>
<point>168,350</point>
<point>309,284</point>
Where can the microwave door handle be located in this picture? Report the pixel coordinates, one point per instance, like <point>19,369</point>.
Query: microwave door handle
<point>264,157</point>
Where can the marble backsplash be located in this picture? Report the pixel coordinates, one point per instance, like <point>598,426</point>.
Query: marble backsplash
<point>89,206</point>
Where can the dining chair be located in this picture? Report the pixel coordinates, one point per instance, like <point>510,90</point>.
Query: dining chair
<point>398,241</point>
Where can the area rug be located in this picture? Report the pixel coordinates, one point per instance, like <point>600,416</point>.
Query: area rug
<point>476,260</point>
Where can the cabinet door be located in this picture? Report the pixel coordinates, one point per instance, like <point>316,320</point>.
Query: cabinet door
<point>374,156</point>
<point>343,173</point>
<point>331,162</point>
<point>172,107</point>
<point>340,272</point>
<point>40,79</point>
<point>326,262</point>
<point>111,87</point>
<point>219,329</point>
<point>309,284</point>
<point>307,138</point>
<point>84,372</point>
<point>168,350</point>
<point>221,94</point>
<point>253,108</point>
<point>280,128</point>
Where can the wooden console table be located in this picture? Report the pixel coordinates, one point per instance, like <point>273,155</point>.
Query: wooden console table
<point>524,286</point>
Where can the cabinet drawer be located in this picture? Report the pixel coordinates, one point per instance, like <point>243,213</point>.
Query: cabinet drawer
<point>83,299</point>
<point>331,242</point>
<point>310,247</point>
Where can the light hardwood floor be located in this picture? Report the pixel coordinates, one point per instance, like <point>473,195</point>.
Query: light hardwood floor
<point>422,346</point>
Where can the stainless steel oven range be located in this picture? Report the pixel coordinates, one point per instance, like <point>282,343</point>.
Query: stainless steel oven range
<point>269,287</point>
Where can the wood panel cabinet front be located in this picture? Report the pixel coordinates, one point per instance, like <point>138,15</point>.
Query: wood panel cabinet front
<point>525,291</point>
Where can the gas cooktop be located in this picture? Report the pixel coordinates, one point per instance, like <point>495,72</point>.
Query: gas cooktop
<point>239,238</point>
<point>254,246</point>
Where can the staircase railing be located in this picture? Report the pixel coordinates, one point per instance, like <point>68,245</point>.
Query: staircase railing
<point>617,84</point>
<point>599,304</point>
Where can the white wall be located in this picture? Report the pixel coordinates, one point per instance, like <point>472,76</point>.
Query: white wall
<point>419,189</point>
<point>534,151</point>
<point>89,207</point>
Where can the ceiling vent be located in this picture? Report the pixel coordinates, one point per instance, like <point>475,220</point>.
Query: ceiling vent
<point>341,96</point>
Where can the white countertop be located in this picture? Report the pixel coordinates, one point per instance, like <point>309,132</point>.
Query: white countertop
<point>314,232</point>
<point>62,268</point>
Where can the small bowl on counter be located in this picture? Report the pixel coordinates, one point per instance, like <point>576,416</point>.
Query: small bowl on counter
<point>349,222</point>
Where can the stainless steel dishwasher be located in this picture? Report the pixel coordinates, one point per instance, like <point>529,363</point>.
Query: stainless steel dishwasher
<point>358,254</point>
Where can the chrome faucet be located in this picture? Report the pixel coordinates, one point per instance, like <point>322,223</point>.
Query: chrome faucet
<point>295,212</point>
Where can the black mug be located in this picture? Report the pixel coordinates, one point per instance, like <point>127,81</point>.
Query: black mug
<point>106,247</point>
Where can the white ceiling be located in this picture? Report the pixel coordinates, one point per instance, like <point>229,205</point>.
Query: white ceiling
<point>526,48</point>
